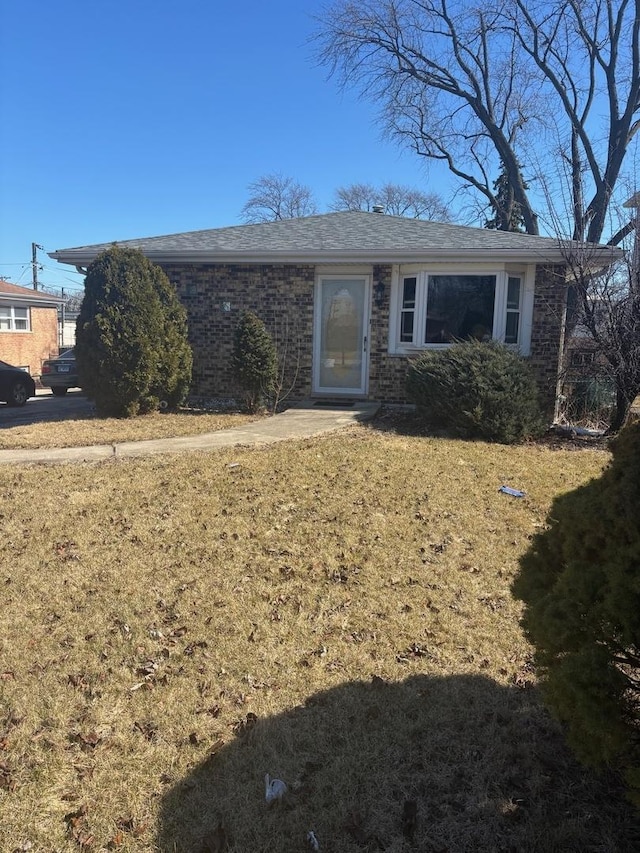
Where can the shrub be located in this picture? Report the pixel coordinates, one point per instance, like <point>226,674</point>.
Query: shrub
<point>580,583</point>
<point>254,361</point>
<point>131,336</point>
<point>476,389</point>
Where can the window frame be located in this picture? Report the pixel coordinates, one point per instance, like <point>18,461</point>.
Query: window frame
<point>11,309</point>
<point>422,273</point>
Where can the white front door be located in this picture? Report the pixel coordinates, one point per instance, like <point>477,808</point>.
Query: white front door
<point>340,346</point>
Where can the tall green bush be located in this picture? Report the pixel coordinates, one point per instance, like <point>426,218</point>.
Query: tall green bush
<point>580,583</point>
<point>254,361</point>
<point>132,350</point>
<point>476,389</point>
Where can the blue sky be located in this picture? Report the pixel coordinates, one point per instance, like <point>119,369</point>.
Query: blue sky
<point>147,117</point>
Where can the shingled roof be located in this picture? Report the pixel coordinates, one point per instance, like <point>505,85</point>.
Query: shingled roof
<point>27,294</point>
<point>347,236</point>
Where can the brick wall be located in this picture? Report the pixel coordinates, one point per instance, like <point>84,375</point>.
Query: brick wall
<point>30,349</point>
<point>282,296</point>
<point>547,334</point>
<point>216,295</point>
<point>388,372</point>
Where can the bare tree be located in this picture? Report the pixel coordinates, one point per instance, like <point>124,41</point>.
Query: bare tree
<point>484,87</point>
<point>394,199</point>
<point>276,197</point>
<point>607,315</point>
<point>355,197</point>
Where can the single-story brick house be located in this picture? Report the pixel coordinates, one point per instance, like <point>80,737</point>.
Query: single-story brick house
<point>352,296</point>
<point>28,326</point>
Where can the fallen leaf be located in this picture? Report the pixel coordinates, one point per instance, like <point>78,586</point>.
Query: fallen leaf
<point>148,729</point>
<point>216,841</point>
<point>77,827</point>
<point>216,746</point>
<point>409,818</point>
<point>354,825</point>
<point>241,727</point>
<point>7,781</point>
<point>86,742</point>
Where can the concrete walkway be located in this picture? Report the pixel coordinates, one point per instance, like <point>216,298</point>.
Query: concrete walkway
<point>302,421</point>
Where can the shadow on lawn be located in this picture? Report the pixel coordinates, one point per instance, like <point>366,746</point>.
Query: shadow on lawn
<point>484,765</point>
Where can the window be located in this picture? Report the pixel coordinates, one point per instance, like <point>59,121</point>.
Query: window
<point>512,330</point>
<point>13,319</point>
<point>437,309</point>
<point>581,358</point>
<point>459,307</point>
<point>408,309</point>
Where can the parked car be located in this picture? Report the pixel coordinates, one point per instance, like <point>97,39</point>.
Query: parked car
<point>60,373</point>
<point>16,386</point>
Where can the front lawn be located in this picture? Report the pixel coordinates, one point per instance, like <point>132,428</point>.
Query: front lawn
<point>333,612</point>
<point>94,430</point>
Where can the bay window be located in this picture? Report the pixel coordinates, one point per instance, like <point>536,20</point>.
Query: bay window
<point>434,309</point>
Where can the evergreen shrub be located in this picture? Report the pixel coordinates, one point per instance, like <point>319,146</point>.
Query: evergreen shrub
<point>476,389</point>
<point>132,349</point>
<point>580,584</point>
<point>254,361</point>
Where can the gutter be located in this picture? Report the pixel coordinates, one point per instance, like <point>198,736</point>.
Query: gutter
<point>80,258</point>
<point>47,301</point>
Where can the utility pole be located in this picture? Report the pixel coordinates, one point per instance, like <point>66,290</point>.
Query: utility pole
<point>63,318</point>
<point>34,263</point>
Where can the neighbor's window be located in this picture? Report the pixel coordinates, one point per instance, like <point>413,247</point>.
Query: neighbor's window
<point>13,319</point>
<point>442,308</point>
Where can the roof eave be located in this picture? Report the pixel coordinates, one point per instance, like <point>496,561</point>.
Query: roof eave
<point>82,258</point>
<point>38,300</point>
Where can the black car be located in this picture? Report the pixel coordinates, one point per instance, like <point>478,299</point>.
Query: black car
<point>60,373</point>
<point>16,386</point>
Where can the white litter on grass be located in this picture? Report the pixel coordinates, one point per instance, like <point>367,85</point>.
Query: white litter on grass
<point>567,429</point>
<point>313,841</point>
<point>515,493</point>
<point>274,789</point>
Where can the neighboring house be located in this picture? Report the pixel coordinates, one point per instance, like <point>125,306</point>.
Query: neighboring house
<point>68,329</point>
<point>352,296</point>
<point>28,326</point>
<point>634,204</point>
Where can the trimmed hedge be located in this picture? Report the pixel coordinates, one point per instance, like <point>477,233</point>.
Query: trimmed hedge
<point>476,389</point>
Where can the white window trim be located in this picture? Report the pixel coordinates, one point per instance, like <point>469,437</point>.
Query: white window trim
<point>502,273</point>
<point>12,318</point>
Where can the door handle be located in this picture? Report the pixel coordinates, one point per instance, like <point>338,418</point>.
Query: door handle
<point>364,344</point>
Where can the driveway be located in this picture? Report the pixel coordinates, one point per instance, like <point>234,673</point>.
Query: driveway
<point>45,407</point>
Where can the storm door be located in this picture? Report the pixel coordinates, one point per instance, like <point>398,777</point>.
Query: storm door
<point>340,350</point>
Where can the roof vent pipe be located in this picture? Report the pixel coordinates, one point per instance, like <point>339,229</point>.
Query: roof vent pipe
<point>378,208</point>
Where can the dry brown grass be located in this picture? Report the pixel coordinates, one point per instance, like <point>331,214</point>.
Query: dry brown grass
<point>335,612</point>
<point>94,430</point>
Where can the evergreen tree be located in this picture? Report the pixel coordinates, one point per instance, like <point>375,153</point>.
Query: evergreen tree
<point>580,583</point>
<point>508,214</point>
<point>131,345</point>
<point>254,359</point>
